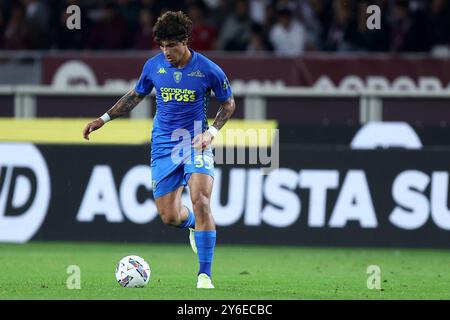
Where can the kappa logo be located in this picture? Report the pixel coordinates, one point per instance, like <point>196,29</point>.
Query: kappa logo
<point>197,73</point>
<point>161,71</point>
<point>177,75</point>
<point>225,84</point>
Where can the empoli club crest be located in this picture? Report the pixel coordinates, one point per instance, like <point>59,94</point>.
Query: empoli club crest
<point>177,75</point>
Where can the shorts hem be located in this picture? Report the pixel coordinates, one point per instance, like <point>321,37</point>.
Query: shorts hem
<point>190,174</point>
<point>156,196</point>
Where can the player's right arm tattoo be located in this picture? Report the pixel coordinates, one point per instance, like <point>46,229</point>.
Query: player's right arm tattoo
<point>125,104</point>
<point>226,109</point>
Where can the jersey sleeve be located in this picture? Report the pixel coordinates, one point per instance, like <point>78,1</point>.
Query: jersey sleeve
<point>219,84</point>
<point>145,84</point>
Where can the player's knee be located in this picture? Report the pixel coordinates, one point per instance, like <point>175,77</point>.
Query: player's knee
<point>201,204</point>
<point>168,218</point>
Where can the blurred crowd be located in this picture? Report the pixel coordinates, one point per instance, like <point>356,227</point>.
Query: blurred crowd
<point>286,27</point>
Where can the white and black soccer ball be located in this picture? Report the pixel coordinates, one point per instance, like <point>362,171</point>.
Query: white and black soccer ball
<point>132,272</point>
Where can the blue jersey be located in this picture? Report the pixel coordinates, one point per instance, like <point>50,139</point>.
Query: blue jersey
<point>182,96</point>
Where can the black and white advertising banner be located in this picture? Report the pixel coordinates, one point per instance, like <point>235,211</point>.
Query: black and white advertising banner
<point>318,196</point>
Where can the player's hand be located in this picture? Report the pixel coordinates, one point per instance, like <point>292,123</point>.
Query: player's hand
<point>202,140</point>
<point>92,126</point>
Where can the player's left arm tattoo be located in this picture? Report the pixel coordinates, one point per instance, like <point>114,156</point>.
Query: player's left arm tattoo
<point>226,109</point>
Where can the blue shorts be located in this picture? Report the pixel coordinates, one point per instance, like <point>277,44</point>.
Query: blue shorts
<point>168,174</point>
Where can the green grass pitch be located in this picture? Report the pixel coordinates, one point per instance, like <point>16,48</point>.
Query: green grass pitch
<point>39,271</point>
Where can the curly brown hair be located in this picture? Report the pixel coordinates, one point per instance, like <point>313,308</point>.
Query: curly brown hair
<point>172,26</point>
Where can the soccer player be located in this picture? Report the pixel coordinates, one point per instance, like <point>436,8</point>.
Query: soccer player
<point>183,80</point>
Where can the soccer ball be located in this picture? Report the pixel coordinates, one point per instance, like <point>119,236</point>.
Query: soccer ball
<point>132,272</point>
